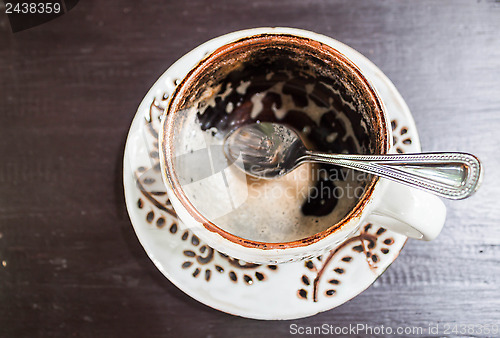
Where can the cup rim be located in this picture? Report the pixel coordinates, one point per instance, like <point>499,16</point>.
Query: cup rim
<point>166,143</point>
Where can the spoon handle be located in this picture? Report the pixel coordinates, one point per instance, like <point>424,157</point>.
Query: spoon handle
<point>449,175</point>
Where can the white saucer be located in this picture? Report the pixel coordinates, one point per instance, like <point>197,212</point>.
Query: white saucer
<point>285,291</point>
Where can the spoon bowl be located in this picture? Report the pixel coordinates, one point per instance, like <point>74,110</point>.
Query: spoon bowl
<point>267,150</point>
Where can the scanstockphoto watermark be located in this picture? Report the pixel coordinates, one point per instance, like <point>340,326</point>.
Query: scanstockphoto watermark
<point>355,329</point>
<point>314,183</point>
<point>322,172</point>
<point>301,192</point>
<point>434,329</point>
<point>306,185</point>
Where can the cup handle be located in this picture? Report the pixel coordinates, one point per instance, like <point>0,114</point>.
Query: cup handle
<point>409,211</point>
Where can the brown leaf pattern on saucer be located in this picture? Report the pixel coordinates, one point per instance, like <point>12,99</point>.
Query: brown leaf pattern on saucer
<point>204,260</point>
<point>371,244</point>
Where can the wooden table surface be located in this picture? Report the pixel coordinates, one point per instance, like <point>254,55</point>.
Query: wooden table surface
<point>71,264</point>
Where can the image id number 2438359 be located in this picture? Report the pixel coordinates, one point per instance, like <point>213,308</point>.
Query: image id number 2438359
<point>32,8</point>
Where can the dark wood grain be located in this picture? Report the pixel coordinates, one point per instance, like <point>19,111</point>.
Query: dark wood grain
<point>69,90</point>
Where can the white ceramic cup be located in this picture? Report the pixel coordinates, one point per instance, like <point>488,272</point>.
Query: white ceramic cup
<point>405,210</point>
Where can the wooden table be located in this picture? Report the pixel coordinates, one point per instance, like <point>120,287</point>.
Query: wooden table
<point>71,264</point>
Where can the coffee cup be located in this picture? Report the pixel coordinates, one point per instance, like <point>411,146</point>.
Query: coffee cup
<point>289,78</point>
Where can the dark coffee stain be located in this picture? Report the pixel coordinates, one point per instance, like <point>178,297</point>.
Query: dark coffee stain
<point>320,204</point>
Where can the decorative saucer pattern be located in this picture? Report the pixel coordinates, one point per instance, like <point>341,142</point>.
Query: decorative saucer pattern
<point>284,291</point>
